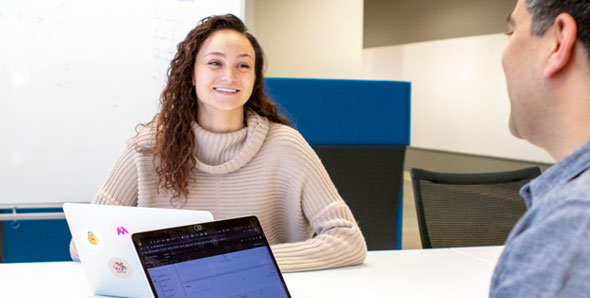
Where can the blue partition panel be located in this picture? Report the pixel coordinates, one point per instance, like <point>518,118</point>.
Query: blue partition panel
<point>36,240</point>
<point>345,112</point>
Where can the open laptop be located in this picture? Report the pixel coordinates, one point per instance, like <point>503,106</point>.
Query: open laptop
<point>227,258</point>
<point>102,235</point>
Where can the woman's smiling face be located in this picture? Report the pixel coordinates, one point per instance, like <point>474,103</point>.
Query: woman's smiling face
<point>224,73</point>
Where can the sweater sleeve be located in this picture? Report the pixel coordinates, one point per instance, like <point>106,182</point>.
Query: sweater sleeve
<point>121,185</point>
<point>338,241</point>
<point>119,189</point>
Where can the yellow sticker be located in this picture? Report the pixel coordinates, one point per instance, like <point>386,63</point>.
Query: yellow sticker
<point>91,238</point>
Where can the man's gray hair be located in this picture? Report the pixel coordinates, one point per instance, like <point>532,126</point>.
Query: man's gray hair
<point>544,13</point>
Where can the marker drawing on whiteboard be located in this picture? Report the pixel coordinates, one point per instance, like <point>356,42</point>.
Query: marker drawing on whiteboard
<point>116,100</point>
<point>173,20</point>
<point>62,84</point>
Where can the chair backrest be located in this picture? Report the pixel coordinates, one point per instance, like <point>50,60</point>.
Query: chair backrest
<point>369,179</point>
<point>360,130</point>
<point>468,209</point>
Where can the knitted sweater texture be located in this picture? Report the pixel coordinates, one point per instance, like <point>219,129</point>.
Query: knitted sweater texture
<point>265,169</point>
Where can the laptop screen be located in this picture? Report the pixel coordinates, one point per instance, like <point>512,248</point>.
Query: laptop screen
<point>228,258</point>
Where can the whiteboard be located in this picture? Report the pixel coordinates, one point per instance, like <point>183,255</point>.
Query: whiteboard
<point>76,77</point>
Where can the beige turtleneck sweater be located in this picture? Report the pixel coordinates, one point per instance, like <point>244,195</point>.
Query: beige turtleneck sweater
<point>265,169</point>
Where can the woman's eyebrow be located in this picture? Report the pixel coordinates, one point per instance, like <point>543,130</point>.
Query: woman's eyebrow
<point>216,54</point>
<point>245,55</point>
<point>223,55</point>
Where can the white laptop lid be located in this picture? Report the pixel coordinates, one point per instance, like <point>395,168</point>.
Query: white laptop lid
<point>102,235</point>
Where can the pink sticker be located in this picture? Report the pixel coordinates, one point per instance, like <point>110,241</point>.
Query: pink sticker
<point>122,231</point>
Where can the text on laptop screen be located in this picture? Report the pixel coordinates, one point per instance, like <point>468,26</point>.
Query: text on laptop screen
<point>228,258</point>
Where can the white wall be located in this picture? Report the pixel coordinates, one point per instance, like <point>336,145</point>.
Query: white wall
<point>459,98</point>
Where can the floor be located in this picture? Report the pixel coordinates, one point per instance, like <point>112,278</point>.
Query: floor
<point>410,233</point>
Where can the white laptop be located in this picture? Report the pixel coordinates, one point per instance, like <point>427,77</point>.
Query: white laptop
<point>102,235</point>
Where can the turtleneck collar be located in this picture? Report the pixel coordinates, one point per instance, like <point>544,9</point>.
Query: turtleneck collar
<point>220,153</point>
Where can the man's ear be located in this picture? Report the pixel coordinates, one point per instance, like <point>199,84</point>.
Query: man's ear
<point>563,34</point>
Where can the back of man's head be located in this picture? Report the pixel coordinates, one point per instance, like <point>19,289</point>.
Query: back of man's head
<point>545,11</point>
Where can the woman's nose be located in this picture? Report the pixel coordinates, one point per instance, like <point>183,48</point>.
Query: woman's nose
<point>229,74</point>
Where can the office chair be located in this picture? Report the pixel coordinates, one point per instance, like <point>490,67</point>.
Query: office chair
<point>468,209</point>
<point>369,179</point>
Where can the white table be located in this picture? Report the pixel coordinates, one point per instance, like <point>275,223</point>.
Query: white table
<point>455,272</point>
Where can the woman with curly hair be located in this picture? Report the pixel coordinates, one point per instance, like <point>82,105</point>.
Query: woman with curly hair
<point>219,144</point>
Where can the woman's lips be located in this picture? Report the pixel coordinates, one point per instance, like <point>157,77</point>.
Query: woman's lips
<point>226,90</point>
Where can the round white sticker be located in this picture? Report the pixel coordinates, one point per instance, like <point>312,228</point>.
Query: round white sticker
<point>120,267</point>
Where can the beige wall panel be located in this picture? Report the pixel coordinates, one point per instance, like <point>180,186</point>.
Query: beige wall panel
<point>391,22</point>
<point>310,38</point>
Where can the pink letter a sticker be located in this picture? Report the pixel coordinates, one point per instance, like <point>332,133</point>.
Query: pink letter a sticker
<point>122,231</point>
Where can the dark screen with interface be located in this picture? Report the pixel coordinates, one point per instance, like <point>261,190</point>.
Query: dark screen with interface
<point>229,258</point>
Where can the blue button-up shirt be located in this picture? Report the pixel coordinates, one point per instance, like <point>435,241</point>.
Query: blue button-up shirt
<point>547,254</point>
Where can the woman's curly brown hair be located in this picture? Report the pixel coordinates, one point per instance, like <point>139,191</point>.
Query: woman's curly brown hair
<point>174,139</point>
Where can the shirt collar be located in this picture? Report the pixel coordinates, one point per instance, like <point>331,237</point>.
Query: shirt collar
<point>558,174</point>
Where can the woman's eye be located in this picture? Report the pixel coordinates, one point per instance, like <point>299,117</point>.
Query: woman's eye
<point>244,66</point>
<point>214,63</point>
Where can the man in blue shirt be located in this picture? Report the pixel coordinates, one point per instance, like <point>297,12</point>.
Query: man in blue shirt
<point>547,68</point>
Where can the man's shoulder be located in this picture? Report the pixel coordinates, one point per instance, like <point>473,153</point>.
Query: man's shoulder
<point>563,213</point>
<point>575,192</point>
<point>547,254</point>
<point>580,186</point>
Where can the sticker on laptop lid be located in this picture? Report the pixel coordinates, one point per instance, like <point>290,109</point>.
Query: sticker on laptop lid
<point>92,238</point>
<point>121,230</point>
<point>120,268</point>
